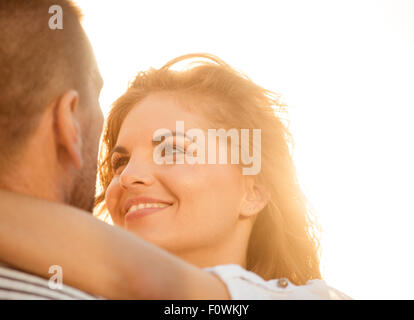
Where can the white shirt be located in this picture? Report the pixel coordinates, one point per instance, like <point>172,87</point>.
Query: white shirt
<point>246,285</point>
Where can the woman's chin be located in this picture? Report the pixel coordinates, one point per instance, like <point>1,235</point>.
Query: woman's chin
<point>149,229</point>
<point>156,237</point>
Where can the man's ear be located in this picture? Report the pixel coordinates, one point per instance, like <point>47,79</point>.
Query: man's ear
<point>255,197</point>
<point>67,129</point>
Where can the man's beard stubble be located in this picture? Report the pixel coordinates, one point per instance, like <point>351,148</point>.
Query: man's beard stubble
<point>82,194</point>
<point>83,189</point>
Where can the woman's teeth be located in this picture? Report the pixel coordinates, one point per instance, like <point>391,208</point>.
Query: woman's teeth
<point>147,205</point>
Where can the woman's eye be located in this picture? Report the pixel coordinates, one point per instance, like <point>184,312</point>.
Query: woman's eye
<point>178,150</point>
<point>170,150</point>
<point>119,162</point>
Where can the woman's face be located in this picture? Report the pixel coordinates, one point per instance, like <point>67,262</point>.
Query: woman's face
<point>176,206</point>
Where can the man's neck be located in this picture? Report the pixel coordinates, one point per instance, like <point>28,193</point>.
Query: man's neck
<point>32,176</point>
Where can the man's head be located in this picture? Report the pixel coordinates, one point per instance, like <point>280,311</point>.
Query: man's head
<point>50,120</point>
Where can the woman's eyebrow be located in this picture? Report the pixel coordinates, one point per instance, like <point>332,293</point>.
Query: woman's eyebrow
<point>157,140</point>
<point>118,149</point>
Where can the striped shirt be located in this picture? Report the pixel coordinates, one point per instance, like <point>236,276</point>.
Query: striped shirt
<point>18,285</point>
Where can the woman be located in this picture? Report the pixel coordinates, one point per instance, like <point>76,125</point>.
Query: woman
<point>253,232</point>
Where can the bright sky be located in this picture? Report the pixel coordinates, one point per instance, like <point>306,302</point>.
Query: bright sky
<point>345,68</point>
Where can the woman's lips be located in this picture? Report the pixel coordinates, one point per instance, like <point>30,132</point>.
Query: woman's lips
<point>143,206</point>
<point>135,213</point>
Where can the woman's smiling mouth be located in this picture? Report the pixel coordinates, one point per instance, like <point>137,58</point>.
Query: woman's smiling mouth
<point>140,207</point>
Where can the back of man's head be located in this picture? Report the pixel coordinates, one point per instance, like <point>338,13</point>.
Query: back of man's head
<point>37,65</point>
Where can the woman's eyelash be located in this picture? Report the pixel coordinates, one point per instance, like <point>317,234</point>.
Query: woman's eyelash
<point>119,161</point>
<point>172,148</point>
<point>179,149</point>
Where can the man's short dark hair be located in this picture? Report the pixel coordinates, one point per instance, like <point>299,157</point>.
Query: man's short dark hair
<point>37,64</point>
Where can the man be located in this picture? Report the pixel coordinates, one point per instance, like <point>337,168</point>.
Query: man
<point>50,123</point>
<point>50,120</point>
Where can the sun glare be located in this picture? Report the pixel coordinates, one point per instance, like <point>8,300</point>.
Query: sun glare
<point>346,72</point>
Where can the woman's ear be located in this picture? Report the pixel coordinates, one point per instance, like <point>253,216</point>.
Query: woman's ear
<point>68,135</point>
<point>255,197</point>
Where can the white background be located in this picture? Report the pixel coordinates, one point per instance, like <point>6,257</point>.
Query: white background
<point>346,70</point>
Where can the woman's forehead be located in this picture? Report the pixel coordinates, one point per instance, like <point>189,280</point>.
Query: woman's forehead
<point>158,112</point>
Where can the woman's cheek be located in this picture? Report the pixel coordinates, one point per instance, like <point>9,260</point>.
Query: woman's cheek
<point>112,199</point>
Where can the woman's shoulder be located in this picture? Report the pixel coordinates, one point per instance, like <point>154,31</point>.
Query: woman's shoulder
<point>246,285</point>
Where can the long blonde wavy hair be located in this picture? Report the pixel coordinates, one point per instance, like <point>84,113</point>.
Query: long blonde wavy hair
<point>284,239</point>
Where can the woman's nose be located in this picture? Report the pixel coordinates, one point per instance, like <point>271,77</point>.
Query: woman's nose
<point>134,176</point>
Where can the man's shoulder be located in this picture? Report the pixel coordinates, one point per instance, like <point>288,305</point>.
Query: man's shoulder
<point>19,285</point>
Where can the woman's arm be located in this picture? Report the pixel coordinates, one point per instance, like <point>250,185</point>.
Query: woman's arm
<point>95,257</point>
